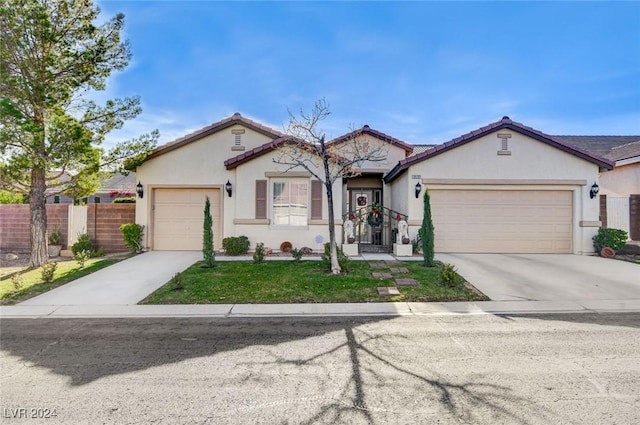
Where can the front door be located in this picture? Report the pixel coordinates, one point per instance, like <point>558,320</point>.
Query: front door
<point>360,203</point>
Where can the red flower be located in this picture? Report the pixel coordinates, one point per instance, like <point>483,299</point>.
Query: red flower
<point>398,217</point>
<point>351,216</point>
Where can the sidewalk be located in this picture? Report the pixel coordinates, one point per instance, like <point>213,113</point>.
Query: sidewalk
<point>321,310</point>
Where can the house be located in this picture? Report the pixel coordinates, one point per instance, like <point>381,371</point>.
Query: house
<point>504,188</point>
<point>620,187</point>
<point>116,186</point>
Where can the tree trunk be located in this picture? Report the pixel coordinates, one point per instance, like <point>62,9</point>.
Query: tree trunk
<point>335,265</point>
<point>39,254</point>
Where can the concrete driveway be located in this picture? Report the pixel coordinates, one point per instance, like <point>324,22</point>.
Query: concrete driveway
<point>123,283</point>
<point>558,277</point>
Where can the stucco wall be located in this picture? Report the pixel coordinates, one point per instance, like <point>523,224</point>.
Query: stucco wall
<point>622,181</point>
<point>201,164</point>
<point>536,165</point>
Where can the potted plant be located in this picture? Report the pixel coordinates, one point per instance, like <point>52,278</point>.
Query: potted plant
<point>55,242</point>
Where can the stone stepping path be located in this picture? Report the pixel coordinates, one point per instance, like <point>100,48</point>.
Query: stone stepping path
<point>387,290</point>
<point>399,270</point>
<point>381,275</point>
<point>406,282</point>
<point>378,265</point>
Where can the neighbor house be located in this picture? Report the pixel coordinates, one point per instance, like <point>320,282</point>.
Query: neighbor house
<point>620,187</point>
<point>504,188</point>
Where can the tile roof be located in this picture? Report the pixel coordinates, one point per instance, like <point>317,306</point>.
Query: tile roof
<point>375,133</point>
<point>247,156</point>
<point>210,129</point>
<point>601,145</point>
<point>630,150</point>
<point>505,122</point>
<point>419,149</point>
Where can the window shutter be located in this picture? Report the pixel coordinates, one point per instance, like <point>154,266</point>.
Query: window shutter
<point>261,199</point>
<point>316,200</point>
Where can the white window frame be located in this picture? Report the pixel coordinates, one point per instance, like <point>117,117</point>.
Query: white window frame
<point>307,207</point>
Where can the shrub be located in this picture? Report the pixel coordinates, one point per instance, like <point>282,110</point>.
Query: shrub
<point>132,235</point>
<point>81,257</point>
<point>176,282</point>
<point>48,270</point>
<point>613,238</point>
<point>343,260</point>
<point>236,245</point>
<point>258,255</point>
<point>55,237</point>
<point>449,274</point>
<point>82,244</point>
<point>131,200</point>
<point>17,281</point>
<point>297,254</point>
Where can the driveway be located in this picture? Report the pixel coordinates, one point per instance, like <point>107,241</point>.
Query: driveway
<point>557,277</point>
<point>123,283</point>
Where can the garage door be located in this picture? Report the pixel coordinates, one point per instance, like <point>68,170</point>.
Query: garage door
<point>502,221</point>
<point>178,217</point>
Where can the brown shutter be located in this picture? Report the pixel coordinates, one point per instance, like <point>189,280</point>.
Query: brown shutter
<point>261,199</point>
<point>316,200</point>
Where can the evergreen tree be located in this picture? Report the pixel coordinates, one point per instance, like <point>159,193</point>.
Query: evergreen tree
<point>53,55</point>
<point>208,253</point>
<point>427,232</point>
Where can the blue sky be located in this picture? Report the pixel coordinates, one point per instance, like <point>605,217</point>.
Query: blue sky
<point>424,72</point>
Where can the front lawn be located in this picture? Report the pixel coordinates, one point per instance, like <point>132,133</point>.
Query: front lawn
<point>32,283</point>
<point>305,282</point>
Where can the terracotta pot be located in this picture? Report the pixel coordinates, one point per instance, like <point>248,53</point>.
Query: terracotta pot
<point>607,252</point>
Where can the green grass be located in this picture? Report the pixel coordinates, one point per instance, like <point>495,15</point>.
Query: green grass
<point>304,282</point>
<point>33,285</point>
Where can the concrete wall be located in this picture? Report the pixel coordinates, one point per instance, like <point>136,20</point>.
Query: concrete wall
<point>531,165</point>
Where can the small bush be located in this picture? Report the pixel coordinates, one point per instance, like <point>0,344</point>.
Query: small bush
<point>297,254</point>
<point>81,257</point>
<point>99,253</point>
<point>258,255</point>
<point>343,260</point>
<point>55,237</point>
<point>132,235</point>
<point>17,281</point>
<point>613,238</point>
<point>236,245</point>
<point>131,200</point>
<point>48,270</point>
<point>449,275</point>
<point>82,244</point>
<point>176,282</point>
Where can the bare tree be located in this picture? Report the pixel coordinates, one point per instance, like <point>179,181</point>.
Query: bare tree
<point>328,162</point>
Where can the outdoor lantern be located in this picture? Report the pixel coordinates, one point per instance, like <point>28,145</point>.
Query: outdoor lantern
<point>228,188</point>
<point>594,190</point>
<point>139,190</point>
<point>418,189</point>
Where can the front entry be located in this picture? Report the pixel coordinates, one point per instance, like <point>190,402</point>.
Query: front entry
<point>361,201</point>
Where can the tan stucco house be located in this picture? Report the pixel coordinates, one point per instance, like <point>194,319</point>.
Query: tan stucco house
<point>504,188</point>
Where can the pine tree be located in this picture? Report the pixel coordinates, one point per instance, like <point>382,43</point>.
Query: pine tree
<point>427,232</point>
<point>208,253</point>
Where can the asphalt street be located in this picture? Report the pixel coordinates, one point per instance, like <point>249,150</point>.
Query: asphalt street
<point>487,369</point>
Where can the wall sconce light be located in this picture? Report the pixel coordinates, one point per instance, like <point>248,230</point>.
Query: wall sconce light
<point>594,190</point>
<point>139,190</point>
<point>418,189</point>
<point>228,188</point>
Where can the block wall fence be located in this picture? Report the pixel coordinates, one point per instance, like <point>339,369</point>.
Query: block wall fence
<point>103,225</point>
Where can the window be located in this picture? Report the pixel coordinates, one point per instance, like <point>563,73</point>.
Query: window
<point>290,202</point>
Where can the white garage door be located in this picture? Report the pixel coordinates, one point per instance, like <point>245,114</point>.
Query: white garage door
<point>178,218</point>
<point>502,221</point>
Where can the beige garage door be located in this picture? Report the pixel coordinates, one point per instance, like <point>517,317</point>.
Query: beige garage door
<point>178,218</point>
<point>502,221</point>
